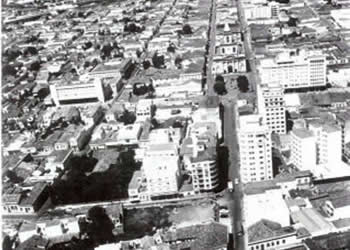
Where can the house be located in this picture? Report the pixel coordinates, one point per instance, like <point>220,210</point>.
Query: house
<point>56,229</point>
<point>266,234</point>
<point>337,205</point>
<point>312,221</point>
<point>134,185</point>
<point>205,236</point>
<point>35,242</point>
<point>129,134</point>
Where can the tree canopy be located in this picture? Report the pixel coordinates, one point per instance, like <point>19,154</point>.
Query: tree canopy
<point>186,29</point>
<point>243,84</point>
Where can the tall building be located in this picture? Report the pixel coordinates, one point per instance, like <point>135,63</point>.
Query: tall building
<point>294,69</point>
<point>200,163</point>
<point>77,92</point>
<point>271,105</point>
<point>254,138</point>
<point>303,149</point>
<point>328,143</point>
<point>343,120</point>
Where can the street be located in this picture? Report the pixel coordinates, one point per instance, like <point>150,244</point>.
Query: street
<point>230,140</point>
<point>253,76</point>
<point>210,81</point>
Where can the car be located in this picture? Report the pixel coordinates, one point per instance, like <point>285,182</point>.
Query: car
<point>236,181</point>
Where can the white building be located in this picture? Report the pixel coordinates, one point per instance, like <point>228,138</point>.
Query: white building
<point>264,200</point>
<point>294,69</point>
<point>328,143</point>
<point>255,145</point>
<point>271,105</point>
<point>200,163</point>
<point>303,149</point>
<point>77,92</point>
<point>162,174</point>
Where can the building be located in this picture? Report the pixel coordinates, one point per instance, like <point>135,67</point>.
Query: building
<point>162,175</point>
<point>161,169</point>
<point>260,199</point>
<point>328,143</point>
<point>77,92</point>
<point>271,105</point>
<point>199,160</point>
<point>50,229</point>
<point>16,202</point>
<point>343,120</point>
<point>261,11</point>
<point>337,205</point>
<point>266,234</point>
<point>254,139</point>
<point>294,69</point>
<point>303,149</point>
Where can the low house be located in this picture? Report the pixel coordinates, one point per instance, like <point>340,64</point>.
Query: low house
<point>337,206</point>
<point>57,229</point>
<point>267,235</point>
<point>205,236</point>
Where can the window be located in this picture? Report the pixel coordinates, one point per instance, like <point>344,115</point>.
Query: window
<point>283,241</point>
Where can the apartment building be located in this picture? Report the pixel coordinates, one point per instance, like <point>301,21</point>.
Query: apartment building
<point>254,138</point>
<point>271,105</point>
<point>328,142</point>
<point>294,69</point>
<point>162,175</point>
<point>199,160</point>
<point>343,120</point>
<point>303,149</point>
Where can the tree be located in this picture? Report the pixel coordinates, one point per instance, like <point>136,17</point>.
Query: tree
<point>243,84</point>
<point>171,48</point>
<point>100,230</point>
<point>106,50</point>
<point>186,29</point>
<point>219,78</point>
<point>35,66</point>
<point>146,64</point>
<point>127,117</point>
<point>32,50</point>
<point>219,88</point>
<point>9,70</point>
<point>158,61</point>
<point>178,61</point>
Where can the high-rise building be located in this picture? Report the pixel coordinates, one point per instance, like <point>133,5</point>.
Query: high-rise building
<point>343,120</point>
<point>328,142</point>
<point>294,69</point>
<point>254,138</point>
<point>303,149</point>
<point>271,105</point>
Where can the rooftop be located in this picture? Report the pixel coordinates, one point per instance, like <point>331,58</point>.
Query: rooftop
<point>265,229</point>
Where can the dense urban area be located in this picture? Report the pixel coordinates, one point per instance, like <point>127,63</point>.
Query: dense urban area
<point>175,124</point>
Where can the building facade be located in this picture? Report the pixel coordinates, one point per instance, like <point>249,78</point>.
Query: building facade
<point>254,138</point>
<point>294,69</point>
<point>303,149</point>
<point>271,105</point>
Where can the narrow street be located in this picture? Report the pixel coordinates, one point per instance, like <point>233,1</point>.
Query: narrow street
<point>253,75</point>
<point>210,80</point>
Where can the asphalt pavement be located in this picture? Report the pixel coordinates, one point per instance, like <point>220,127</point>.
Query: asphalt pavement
<point>230,140</point>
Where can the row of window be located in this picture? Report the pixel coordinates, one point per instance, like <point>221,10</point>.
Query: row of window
<point>268,244</point>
